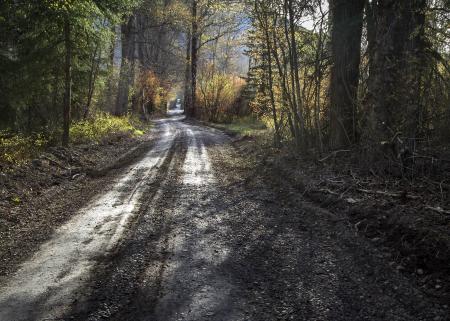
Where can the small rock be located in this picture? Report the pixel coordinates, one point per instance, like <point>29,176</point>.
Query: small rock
<point>76,176</point>
<point>438,286</point>
<point>419,271</point>
<point>351,200</point>
<point>36,162</point>
<point>4,222</point>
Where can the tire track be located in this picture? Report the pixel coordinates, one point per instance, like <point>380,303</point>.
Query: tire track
<point>114,286</point>
<point>46,284</point>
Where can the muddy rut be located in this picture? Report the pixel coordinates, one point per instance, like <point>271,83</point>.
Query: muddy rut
<point>184,234</point>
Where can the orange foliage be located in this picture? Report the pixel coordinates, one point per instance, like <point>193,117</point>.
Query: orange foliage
<point>153,92</point>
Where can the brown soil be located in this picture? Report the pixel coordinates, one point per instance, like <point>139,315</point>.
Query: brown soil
<point>40,195</point>
<point>404,218</point>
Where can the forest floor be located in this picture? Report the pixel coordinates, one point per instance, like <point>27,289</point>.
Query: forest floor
<point>406,218</point>
<point>193,224</point>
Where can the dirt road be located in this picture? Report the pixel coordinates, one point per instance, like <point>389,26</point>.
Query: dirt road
<point>184,234</point>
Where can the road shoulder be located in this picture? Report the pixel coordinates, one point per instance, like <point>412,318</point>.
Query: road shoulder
<point>49,190</point>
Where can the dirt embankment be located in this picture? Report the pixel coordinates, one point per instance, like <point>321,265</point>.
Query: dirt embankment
<point>405,219</point>
<point>38,196</point>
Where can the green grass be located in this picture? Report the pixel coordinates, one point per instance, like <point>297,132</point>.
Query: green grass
<point>245,126</point>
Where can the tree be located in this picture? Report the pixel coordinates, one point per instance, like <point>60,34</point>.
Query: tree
<point>68,82</point>
<point>59,43</point>
<point>209,21</point>
<point>126,76</point>
<point>347,22</point>
<point>395,72</point>
<point>194,33</point>
<point>264,21</point>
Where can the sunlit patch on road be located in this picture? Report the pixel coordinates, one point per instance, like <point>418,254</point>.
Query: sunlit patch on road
<point>197,167</point>
<point>193,287</point>
<point>47,283</point>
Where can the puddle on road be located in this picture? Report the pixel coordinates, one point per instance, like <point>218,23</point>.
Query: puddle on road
<point>47,283</point>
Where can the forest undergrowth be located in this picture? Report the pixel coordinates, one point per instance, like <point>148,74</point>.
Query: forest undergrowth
<point>16,149</point>
<point>404,212</point>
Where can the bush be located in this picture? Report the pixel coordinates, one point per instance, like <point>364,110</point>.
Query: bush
<point>15,149</point>
<point>102,126</point>
<point>219,95</point>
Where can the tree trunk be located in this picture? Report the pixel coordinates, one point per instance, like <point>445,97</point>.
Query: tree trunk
<point>416,65</point>
<point>126,66</point>
<point>318,81</point>
<point>92,78</point>
<point>282,70</point>
<point>68,83</point>
<point>271,94</point>
<point>395,70</point>
<point>298,122</point>
<point>347,20</point>
<point>295,70</point>
<point>194,61</point>
<point>264,22</point>
<point>187,75</point>
<point>55,88</point>
<point>110,99</point>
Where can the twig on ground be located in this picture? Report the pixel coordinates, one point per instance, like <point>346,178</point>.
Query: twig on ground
<point>437,209</point>
<point>326,190</point>
<point>345,191</point>
<point>334,154</point>
<point>389,194</point>
<point>53,162</point>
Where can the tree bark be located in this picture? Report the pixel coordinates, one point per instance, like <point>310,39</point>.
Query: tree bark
<point>282,70</point>
<point>271,94</point>
<point>347,20</point>
<point>296,101</point>
<point>126,66</point>
<point>187,75</point>
<point>295,71</point>
<point>318,80</point>
<point>264,22</point>
<point>68,82</point>
<point>395,70</point>
<point>194,61</point>
<point>92,78</point>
